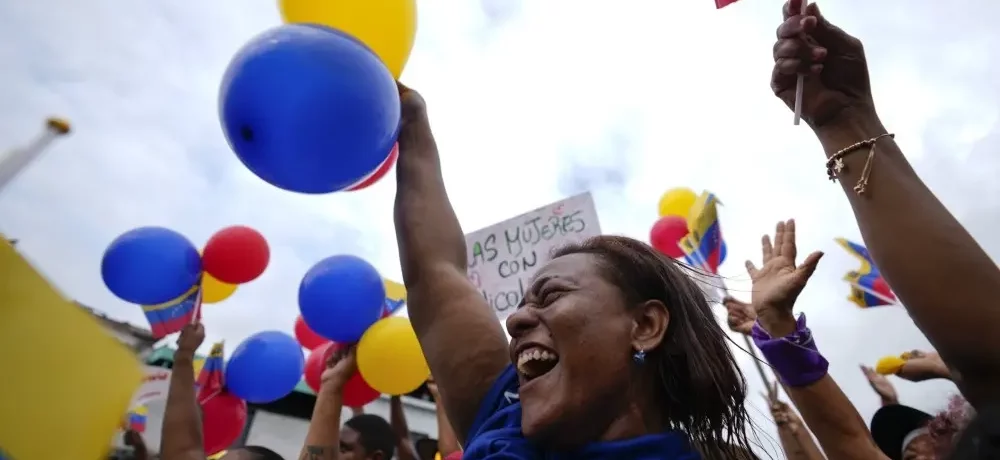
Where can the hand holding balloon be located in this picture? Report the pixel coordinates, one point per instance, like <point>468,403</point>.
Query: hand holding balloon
<point>341,366</point>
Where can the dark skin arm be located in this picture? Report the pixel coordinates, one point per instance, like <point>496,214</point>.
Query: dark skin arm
<point>397,418</point>
<point>951,292</point>
<point>323,438</point>
<point>447,442</point>
<point>795,438</point>
<point>181,437</point>
<point>460,335</point>
<point>134,440</point>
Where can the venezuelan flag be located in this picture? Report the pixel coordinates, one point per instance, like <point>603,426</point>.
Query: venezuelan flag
<point>395,297</point>
<point>137,419</point>
<point>210,378</point>
<point>868,288</point>
<point>703,244</point>
<point>170,317</point>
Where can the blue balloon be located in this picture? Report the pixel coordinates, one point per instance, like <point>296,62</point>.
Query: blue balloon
<point>309,109</point>
<point>723,252</point>
<point>265,367</point>
<point>340,297</point>
<point>150,265</point>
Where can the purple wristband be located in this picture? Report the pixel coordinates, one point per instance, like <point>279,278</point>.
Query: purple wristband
<point>794,358</point>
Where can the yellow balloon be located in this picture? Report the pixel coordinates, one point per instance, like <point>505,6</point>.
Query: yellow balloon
<point>215,291</point>
<point>889,365</point>
<point>390,358</point>
<point>677,202</point>
<point>386,26</point>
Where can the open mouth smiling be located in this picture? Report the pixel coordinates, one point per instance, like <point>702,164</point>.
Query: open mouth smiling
<point>535,361</point>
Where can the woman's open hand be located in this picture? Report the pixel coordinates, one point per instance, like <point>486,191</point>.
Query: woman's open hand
<point>778,282</point>
<point>833,62</point>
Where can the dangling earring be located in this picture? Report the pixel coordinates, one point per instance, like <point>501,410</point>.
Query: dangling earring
<point>639,356</point>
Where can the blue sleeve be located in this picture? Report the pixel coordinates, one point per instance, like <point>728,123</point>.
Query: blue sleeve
<point>502,394</point>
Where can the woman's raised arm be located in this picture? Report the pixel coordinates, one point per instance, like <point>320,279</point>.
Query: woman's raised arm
<point>460,335</point>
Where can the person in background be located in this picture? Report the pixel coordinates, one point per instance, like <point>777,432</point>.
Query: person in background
<point>133,439</point>
<point>666,379</point>
<point>796,441</point>
<point>364,436</point>
<point>181,438</point>
<point>405,449</point>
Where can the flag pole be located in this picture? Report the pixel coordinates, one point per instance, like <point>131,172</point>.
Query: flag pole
<point>752,350</point>
<point>19,159</point>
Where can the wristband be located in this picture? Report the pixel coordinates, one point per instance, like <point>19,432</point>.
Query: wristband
<point>794,358</point>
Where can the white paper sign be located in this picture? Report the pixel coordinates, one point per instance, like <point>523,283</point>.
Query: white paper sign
<point>503,257</point>
<point>155,384</point>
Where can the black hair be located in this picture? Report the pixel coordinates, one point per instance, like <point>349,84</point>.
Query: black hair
<point>375,434</point>
<point>263,453</point>
<point>701,389</point>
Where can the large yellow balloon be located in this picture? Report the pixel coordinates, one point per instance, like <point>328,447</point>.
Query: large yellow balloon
<point>213,290</point>
<point>390,358</point>
<point>677,202</point>
<point>386,26</point>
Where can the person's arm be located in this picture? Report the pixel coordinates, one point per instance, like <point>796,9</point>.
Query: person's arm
<point>181,438</point>
<point>795,439</point>
<point>923,365</point>
<point>134,440</point>
<point>883,388</point>
<point>323,437</point>
<point>397,419</point>
<point>459,333</point>
<point>937,270</point>
<point>790,348</point>
<point>447,442</point>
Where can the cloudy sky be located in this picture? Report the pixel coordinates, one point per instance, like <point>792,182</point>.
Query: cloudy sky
<point>531,102</point>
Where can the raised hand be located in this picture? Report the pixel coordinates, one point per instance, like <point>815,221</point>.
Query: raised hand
<point>778,282</point>
<point>339,369</point>
<point>739,315</point>
<point>833,61</point>
<point>923,365</point>
<point>881,385</point>
<point>190,339</point>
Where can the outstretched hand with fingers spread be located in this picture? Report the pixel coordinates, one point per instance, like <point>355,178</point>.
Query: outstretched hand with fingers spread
<point>778,282</point>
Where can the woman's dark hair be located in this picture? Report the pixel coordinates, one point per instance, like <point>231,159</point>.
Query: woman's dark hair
<point>263,453</point>
<point>374,433</point>
<point>702,390</point>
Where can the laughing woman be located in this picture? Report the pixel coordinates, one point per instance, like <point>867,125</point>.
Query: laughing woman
<point>615,352</point>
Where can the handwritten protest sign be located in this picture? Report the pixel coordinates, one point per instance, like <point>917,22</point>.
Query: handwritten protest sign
<point>503,257</point>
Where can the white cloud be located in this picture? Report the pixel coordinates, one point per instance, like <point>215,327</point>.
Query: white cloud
<point>530,101</point>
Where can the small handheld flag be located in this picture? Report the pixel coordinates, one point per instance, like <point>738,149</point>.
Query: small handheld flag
<point>170,317</point>
<point>703,245</point>
<point>868,288</point>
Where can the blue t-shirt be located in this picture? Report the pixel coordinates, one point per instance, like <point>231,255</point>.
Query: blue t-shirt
<point>496,435</point>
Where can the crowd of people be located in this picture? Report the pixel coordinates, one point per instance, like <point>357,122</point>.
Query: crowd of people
<point>615,352</point>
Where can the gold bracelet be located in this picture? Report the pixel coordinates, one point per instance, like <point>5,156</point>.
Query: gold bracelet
<point>835,165</point>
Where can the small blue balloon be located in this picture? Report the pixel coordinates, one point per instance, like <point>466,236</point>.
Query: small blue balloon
<point>309,109</point>
<point>265,367</point>
<point>723,252</point>
<point>150,265</point>
<point>340,297</point>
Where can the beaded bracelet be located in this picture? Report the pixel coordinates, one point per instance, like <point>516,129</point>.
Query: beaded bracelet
<point>835,165</point>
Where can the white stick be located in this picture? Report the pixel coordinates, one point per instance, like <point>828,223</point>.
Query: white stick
<point>800,83</point>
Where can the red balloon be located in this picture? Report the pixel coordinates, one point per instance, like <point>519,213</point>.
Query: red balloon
<point>306,337</point>
<point>223,417</point>
<point>236,255</point>
<point>380,172</point>
<point>357,392</point>
<point>665,234</point>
